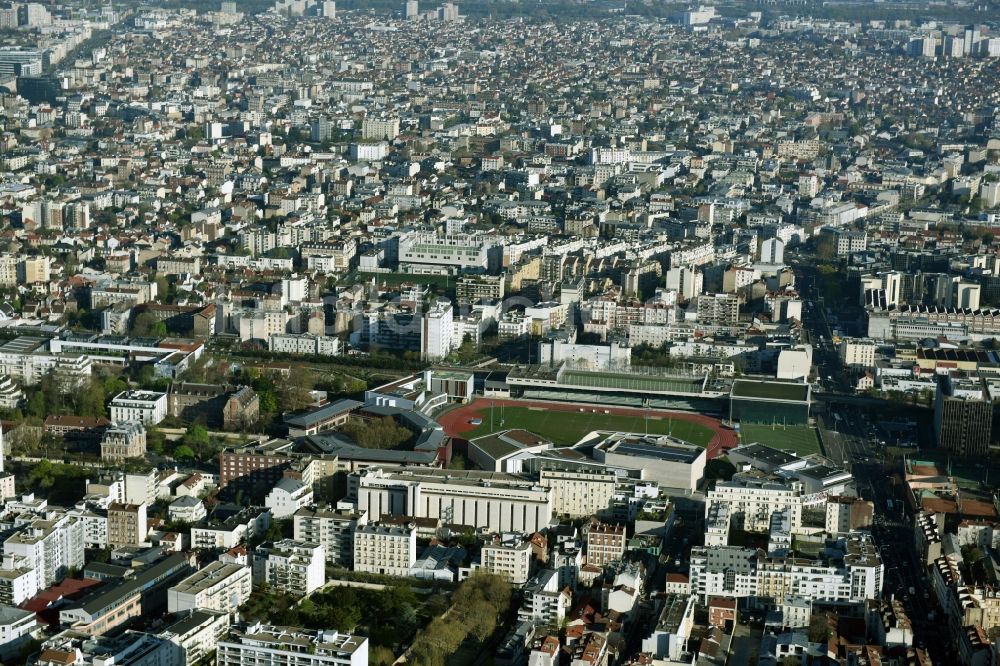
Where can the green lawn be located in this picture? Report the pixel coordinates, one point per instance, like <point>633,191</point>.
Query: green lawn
<point>800,440</point>
<point>567,428</point>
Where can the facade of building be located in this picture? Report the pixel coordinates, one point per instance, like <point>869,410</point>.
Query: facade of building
<point>510,559</point>
<point>288,496</point>
<point>216,586</point>
<point>334,530</point>
<point>605,544</point>
<point>148,407</point>
<point>124,440</point>
<point>295,567</point>
<point>126,524</point>
<point>385,549</point>
<point>963,416</point>
<point>497,502</point>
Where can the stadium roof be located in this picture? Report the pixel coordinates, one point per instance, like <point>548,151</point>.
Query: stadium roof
<point>770,390</point>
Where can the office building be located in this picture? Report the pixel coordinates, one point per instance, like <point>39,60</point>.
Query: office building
<point>494,501</point>
<point>963,416</point>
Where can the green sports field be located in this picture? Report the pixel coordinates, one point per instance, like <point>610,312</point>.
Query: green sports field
<point>801,440</point>
<point>564,428</point>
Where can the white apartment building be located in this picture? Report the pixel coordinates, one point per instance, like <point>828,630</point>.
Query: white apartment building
<point>544,601</point>
<point>304,343</point>
<point>148,407</point>
<point>380,128</point>
<point>751,503</point>
<point>437,328</point>
<point>217,537</point>
<point>735,572</point>
<point>546,316</point>
<point>510,559</point>
<point>857,353</point>
<point>577,493</point>
<point>288,496</point>
<point>16,627</point>
<point>95,525</point>
<point>259,644</point>
<point>334,530</point>
<point>51,547</point>
<point>687,282</point>
<point>217,586</point>
<point>294,567</point>
<point>385,549</point>
<point>494,501</point>
<point>19,584</point>
<point>188,509</point>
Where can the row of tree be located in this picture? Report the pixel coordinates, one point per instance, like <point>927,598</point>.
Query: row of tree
<point>477,606</point>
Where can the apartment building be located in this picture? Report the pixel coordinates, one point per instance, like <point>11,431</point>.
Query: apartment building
<point>288,496</point>
<point>148,407</point>
<point>579,493</point>
<point>50,547</point>
<point>853,575</point>
<point>118,602</point>
<point>385,549</point>
<point>126,524</point>
<point>718,309</point>
<point>252,469</point>
<point>378,129</point>
<point>963,416</point>
<point>751,502</point>
<point>224,534</point>
<point>605,544</point>
<point>857,353</point>
<point>217,586</point>
<point>334,530</point>
<point>18,585</point>
<point>510,558</point>
<point>290,646</point>
<point>477,288</point>
<point>293,567</point>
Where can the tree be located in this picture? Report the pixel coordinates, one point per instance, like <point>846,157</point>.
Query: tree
<point>293,395</point>
<point>36,405</point>
<point>184,452</point>
<point>90,400</point>
<point>719,468</point>
<point>147,325</point>
<point>381,656</point>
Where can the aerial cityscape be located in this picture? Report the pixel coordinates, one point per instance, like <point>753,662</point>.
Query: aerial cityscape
<point>499,333</point>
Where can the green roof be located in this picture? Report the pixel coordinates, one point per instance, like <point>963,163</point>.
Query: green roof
<point>631,382</point>
<point>743,388</point>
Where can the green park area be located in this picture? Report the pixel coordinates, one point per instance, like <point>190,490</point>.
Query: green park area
<point>565,428</point>
<point>801,440</point>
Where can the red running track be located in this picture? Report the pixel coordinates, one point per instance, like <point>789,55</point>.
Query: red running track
<point>456,421</point>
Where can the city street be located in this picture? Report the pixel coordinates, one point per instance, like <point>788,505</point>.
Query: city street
<point>853,435</point>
